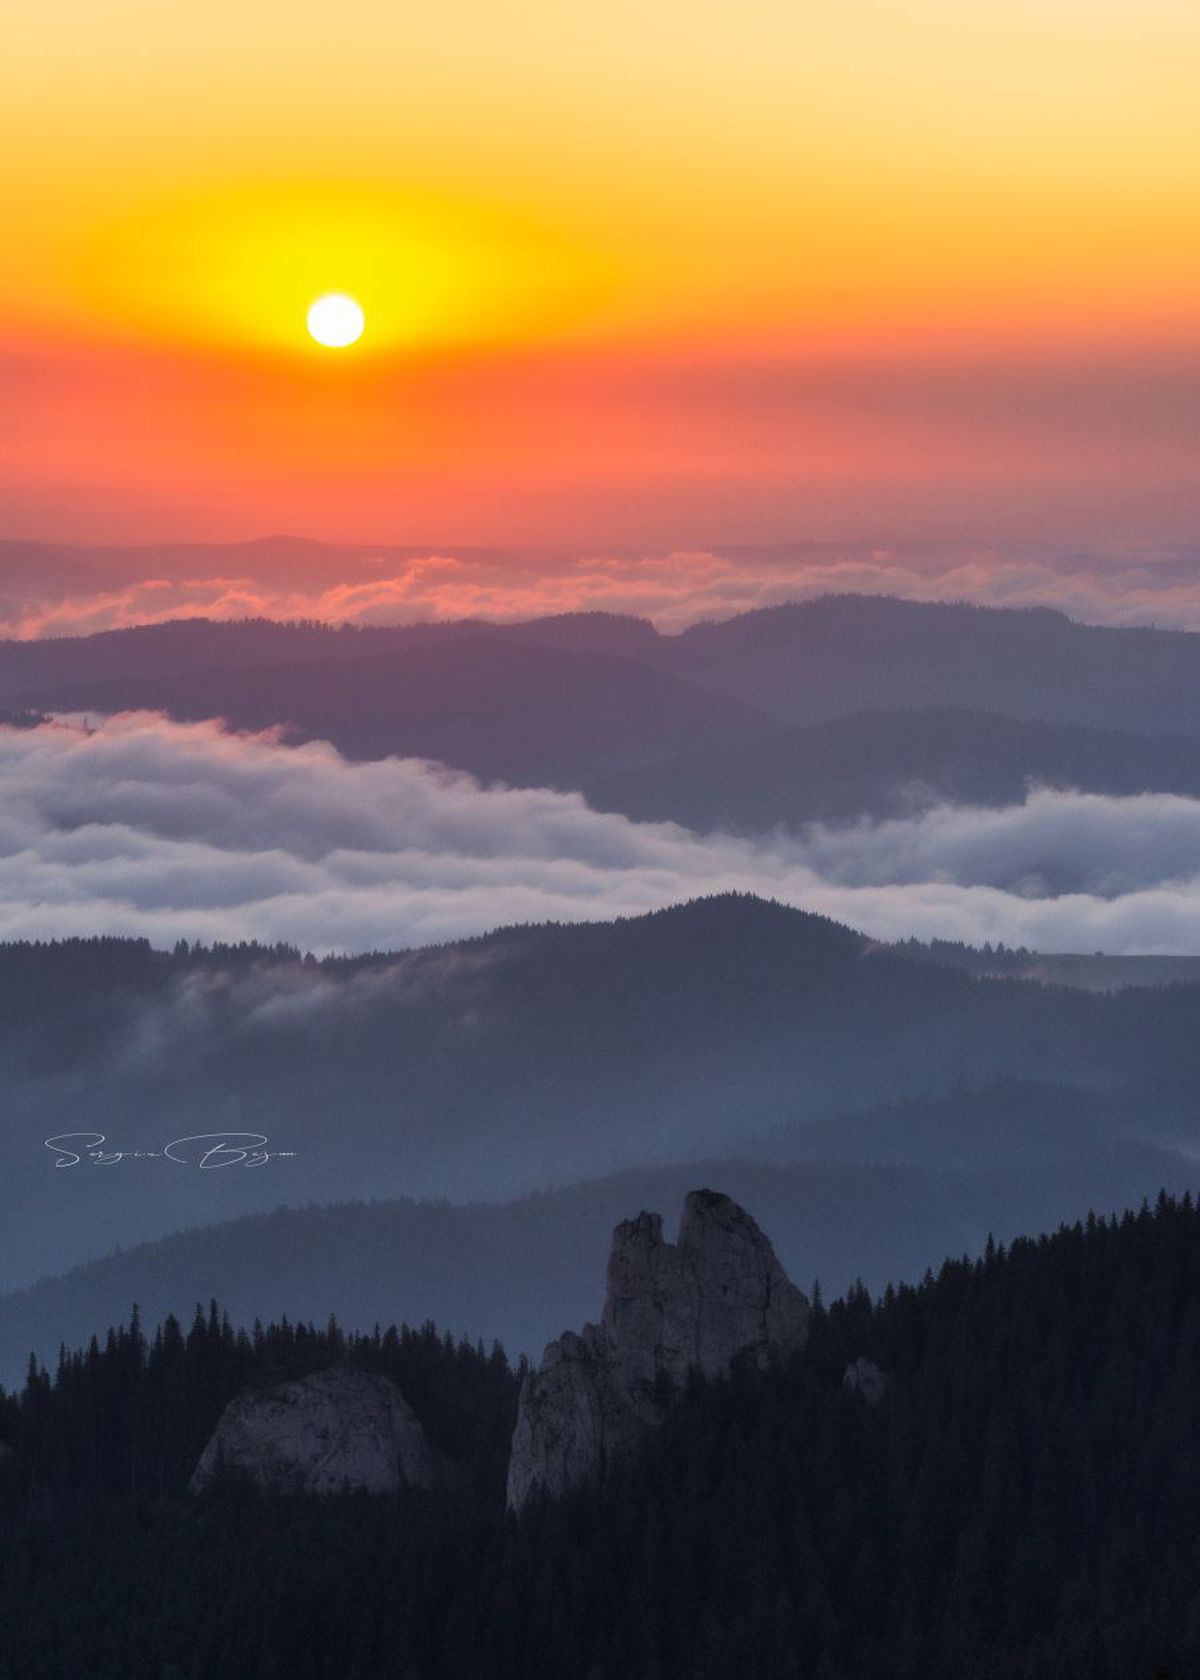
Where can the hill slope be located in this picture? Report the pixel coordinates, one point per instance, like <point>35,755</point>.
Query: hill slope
<point>879,1197</point>
<point>853,653</point>
<point>530,1058</point>
<point>799,664</point>
<point>491,705</point>
<point>886,764</point>
<point>1021,1506</point>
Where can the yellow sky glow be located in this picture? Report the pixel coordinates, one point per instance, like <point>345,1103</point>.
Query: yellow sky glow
<point>877,182</point>
<point>485,168</point>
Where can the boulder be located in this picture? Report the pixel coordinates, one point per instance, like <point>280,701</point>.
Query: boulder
<point>336,1430</point>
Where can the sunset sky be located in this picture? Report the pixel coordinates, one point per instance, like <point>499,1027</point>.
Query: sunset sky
<point>662,272</point>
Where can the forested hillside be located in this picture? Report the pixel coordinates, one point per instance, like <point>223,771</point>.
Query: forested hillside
<point>1021,1506</point>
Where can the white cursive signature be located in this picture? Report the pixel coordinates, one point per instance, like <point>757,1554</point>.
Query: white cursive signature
<point>207,1150</point>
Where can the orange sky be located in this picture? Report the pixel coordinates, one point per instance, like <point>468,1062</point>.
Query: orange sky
<point>680,272</point>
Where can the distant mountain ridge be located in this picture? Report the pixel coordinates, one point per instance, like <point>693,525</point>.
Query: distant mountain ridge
<point>487,704</point>
<point>898,1190</point>
<point>838,708</point>
<point>892,764</point>
<point>802,663</point>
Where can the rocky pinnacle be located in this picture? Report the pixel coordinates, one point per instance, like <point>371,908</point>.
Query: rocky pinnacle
<point>716,1295</point>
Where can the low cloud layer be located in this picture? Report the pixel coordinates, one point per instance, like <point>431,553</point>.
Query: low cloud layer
<point>186,831</point>
<point>1135,586</point>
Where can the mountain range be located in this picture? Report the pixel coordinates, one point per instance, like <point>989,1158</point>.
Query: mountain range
<point>440,1109</point>
<point>827,710</point>
<point>541,1057</point>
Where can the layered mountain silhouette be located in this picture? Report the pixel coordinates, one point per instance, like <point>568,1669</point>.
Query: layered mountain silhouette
<point>545,1055</point>
<point>823,711</point>
<point>884,1204</point>
<point>924,1094</point>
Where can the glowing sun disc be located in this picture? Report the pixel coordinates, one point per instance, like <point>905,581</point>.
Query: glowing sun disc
<point>336,321</point>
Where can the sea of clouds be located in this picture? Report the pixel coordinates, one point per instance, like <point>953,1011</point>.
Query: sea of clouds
<point>1136,585</point>
<point>144,826</point>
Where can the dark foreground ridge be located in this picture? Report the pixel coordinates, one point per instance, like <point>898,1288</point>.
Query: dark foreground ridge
<point>1017,1502</point>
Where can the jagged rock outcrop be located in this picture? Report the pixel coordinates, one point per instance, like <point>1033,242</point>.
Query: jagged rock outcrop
<point>864,1378</point>
<point>337,1429</point>
<point>717,1294</point>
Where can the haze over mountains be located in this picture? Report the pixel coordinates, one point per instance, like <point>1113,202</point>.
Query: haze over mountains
<point>960,772</point>
<point>519,1270</point>
<point>546,1056</point>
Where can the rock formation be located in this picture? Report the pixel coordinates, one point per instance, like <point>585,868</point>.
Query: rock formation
<point>338,1429</point>
<point>671,1308</point>
<point>865,1379</point>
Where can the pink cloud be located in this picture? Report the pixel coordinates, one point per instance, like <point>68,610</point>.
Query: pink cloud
<point>674,589</point>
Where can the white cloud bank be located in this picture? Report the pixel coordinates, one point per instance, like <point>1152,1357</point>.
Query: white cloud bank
<point>186,831</point>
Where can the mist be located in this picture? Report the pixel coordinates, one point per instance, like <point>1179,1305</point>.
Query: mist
<point>142,826</point>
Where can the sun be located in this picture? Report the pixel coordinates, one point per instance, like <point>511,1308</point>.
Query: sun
<point>335,321</point>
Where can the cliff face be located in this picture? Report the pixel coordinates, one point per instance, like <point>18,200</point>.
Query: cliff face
<point>671,1308</point>
<point>338,1429</point>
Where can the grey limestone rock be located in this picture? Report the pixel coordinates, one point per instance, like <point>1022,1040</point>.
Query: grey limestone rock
<point>671,1308</point>
<point>864,1378</point>
<point>338,1429</point>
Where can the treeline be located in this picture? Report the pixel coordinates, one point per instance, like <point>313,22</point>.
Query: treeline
<point>130,1416</point>
<point>1022,1506</point>
<point>974,959</point>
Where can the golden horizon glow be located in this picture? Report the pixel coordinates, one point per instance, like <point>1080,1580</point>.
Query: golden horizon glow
<point>233,267</point>
<point>562,191</point>
<point>987,165</point>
